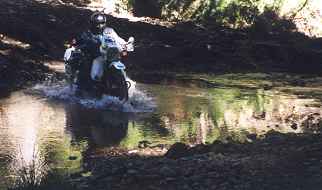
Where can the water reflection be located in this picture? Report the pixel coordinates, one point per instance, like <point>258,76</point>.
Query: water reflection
<point>101,128</point>
<point>202,115</point>
<point>259,111</point>
<point>32,134</point>
<point>104,129</point>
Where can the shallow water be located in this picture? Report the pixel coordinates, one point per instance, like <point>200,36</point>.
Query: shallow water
<point>47,127</point>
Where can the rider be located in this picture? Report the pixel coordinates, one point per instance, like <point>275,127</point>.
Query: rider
<point>107,37</point>
<point>91,40</point>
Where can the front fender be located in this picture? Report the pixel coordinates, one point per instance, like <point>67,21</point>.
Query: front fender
<point>118,65</point>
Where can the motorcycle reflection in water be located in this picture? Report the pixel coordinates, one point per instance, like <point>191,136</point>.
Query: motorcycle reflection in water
<point>99,128</point>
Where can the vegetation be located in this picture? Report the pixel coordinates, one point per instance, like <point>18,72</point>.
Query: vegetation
<point>233,13</point>
<point>51,181</point>
<point>37,175</point>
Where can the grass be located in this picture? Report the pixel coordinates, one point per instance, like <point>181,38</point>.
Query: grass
<point>37,175</point>
<point>52,181</point>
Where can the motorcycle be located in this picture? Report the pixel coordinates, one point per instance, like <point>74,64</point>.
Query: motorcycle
<point>107,77</point>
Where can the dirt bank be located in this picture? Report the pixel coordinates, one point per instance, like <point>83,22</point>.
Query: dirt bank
<point>37,32</point>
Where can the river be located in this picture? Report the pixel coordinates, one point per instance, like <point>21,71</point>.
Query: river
<point>47,128</point>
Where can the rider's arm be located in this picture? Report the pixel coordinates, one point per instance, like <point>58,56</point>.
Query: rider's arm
<point>111,32</point>
<point>118,39</point>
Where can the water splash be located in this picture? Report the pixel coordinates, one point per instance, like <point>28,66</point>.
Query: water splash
<point>138,99</point>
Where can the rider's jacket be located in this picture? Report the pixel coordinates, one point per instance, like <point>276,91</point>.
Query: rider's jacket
<point>90,42</point>
<point>93,45</point>
<point>93,42</point>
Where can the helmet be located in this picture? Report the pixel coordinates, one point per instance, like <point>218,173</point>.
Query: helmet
<point>97,22</point>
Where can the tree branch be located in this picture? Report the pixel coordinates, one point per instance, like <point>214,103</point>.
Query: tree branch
<point>300,9</point>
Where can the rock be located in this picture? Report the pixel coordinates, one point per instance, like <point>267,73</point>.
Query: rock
<point>170,179</point>
<point>148,177</point>
<point>132,172</point>
<point>199,149</point>
<point>166,171</point>
<point>267,87</point>
<point>219,147</point>
<point>252,136</point>
<point>86,174</point>
<point>185,186</point>
<point>177,150</point>
<point>261,136</point>
<point>144,144</point>
<point>3,63</point>
<point>294,126</point>
<point>274,136</point>
<point>72,157</point>
<point>133,151</point>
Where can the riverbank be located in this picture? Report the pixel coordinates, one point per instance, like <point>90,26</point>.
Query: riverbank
<point>280,161</point>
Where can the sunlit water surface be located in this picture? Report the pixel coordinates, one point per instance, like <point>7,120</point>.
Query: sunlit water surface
<point>48,127</point>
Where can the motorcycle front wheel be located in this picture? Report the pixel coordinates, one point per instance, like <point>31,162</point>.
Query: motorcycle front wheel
<point>117,84</point>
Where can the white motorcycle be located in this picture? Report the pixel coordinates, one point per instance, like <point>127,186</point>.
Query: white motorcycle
<point>107,76</point>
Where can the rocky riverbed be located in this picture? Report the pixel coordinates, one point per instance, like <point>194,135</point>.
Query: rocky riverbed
<point>280,161</point>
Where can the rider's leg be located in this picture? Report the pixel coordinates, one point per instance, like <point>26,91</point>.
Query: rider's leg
<point>97,68</point>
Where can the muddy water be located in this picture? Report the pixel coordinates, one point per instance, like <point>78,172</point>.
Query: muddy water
<point>47,133</point>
